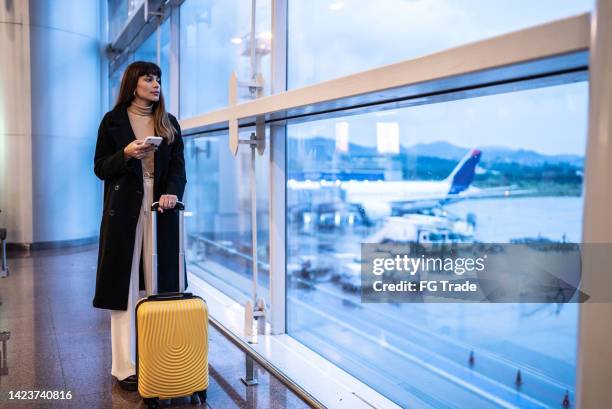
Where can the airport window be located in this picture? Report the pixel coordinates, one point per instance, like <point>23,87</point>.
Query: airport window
<point>364,178</point>
<point>115,84</point>
<point>218,219</point>
<point>356,35</point>
<point>349,179</point>
<point>147,51</point>
<point>119,13</point>
<point>214,42</point>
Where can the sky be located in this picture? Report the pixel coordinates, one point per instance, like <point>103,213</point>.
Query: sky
<point>332,38</point>
<point>550,120</point>
<point>327,41</point>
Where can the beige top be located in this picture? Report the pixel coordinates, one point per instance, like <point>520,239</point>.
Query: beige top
<point>141,119</point>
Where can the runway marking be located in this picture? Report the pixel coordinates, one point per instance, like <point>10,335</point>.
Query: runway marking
<point>432,368</point>
<point>481,352</point>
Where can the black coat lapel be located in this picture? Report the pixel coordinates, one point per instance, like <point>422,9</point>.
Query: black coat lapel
<point>122,132</point>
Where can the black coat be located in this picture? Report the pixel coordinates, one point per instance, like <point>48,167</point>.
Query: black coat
<point>123,192</point>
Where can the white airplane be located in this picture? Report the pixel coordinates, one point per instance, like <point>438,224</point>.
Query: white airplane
<point>377,200</point>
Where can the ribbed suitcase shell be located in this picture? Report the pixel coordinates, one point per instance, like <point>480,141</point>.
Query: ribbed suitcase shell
<point>172,347</point>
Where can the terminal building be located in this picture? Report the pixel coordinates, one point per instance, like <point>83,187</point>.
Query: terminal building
<point>314,134</point>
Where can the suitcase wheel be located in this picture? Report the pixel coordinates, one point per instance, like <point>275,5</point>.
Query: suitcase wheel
<point>152,403</point>
<point>202,396</point>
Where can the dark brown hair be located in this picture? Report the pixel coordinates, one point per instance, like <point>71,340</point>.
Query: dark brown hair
<point>129,81</point>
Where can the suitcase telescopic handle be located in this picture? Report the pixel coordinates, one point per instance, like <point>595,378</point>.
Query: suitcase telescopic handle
<point>179,206</point>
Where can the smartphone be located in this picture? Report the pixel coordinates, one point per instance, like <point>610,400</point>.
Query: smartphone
<point>153,140</point>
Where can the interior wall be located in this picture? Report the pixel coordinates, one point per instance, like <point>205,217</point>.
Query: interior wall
<point>15,131</point>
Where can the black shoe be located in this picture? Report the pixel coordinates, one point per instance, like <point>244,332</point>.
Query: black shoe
<point>129,384</point>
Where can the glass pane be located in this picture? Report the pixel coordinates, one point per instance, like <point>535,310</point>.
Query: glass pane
<point>355,35</point>
<point>115,83</point>
<point>218,218</point>
<point>362,178</point>
<point>215,40</point>
<point>119,13</point>
<point>147,51</point>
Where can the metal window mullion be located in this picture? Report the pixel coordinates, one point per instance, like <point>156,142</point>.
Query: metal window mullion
<point>277,229</point>
<point>158,43</point>
<point>277,196</point>
<point>254,223</point>
<point>253,35</point>
<point>174,61</point>
<point>595,323</point>
<point>104,61</point>
<point>278,59</point>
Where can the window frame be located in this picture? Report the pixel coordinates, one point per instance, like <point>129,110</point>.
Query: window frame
<point>550,50</point>
<point>542,51</point>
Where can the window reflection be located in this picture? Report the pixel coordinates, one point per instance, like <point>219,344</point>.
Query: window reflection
<point>498,169</point>
<point>355,35</point>
<point>119,13</point>
<point>147,51</point>
<point>115,84</point>
<point>218,217</point>
<point>215,40</point>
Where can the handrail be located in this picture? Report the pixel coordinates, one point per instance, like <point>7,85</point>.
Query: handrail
<point>244,346</point>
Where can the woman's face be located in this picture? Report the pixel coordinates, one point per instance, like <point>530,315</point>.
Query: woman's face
<point>148,88</point>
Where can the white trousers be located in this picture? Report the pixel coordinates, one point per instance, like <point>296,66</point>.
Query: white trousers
<point>123,329</point>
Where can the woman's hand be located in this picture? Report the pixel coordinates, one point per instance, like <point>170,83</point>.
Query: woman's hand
<point>167,202</point>
<point>137,150</point>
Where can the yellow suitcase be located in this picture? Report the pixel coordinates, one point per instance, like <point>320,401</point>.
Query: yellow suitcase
<point>171,339</point>
<point>172,347</point>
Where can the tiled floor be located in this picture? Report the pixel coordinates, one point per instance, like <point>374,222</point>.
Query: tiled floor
<point>58,341</point>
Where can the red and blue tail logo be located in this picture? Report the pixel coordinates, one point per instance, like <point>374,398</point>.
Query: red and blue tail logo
<point>463,175</point>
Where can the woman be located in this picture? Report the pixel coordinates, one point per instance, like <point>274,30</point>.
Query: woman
<point>135,175</point>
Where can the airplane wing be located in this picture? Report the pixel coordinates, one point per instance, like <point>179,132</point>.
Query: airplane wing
<point>498,191</point>
<point>428,201</point>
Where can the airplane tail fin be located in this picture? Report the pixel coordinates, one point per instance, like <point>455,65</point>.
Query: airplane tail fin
<point>463,175</point>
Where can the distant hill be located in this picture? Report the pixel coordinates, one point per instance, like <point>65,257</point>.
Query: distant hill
<point>443,150</point>
<point>527,157</point>
<point>323,148</point>
<point>497,154</point>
